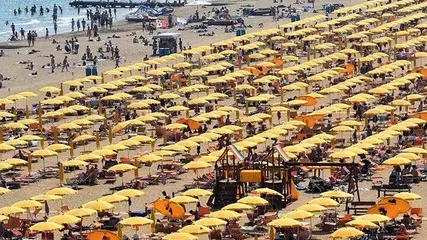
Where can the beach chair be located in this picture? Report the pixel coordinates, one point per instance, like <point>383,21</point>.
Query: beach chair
<point>65,208</point>
<point>417,215</point>
<point>203,211</point>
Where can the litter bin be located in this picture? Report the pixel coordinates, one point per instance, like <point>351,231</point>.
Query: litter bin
<point>88,70</point>
<point>94,71</point>
<point>240,32</point>
<point>164,51</point>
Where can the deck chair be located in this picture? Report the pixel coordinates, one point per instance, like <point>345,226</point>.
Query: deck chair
<point>35,212</point>
<point>65,208</point>
<point>417,215</point>
<point>203,211</point>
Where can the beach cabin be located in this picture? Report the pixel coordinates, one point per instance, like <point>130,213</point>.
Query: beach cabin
<point>167,43</point>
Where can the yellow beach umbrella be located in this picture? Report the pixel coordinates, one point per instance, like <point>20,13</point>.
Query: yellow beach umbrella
<point>179,236</point>
<point>326,202</point>
<point>74,163</point>
<point>184,199</point>
<point>81,212</point>
<point>121,168</point>
<point>136,221</point>
<point>298,215</point>
<point>225,215</point>
<point>407,196</point>
<point>11,210</point>
<point>195,229</point>
<point>347,232</point>
<point>26,204</point>
<point>64,219</point>
<point>312,208</point>
<point>98,205</point>
<point>113,198</point>
<point>211,222</point>
<point>46,227</point>
<point>362,224</point>
<point>267,191</point>
<point>336,194</point>
<point>284,223</point>
<point>197,192</point>
<point>61,191</point>
<point>46,197</point>
<point>253,200</point>
<point>238,207</point>
<point>130,193</point>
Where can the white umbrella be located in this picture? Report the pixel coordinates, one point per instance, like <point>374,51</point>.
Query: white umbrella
<point>198,3</point>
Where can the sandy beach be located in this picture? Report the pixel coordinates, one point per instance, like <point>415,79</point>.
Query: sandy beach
<point>22,79</point>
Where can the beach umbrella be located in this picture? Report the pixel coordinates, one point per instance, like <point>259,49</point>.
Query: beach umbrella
<point>374,218</point>
<point>64,219</point>
<point>396,161</point>
<point>211,222</point>
<point>121,168</point>
<point>15,125</point>
<point>130,193</point>
<point>98,205</point>
<point>50,89</point>
<point>267,191</point>
<point>347,232</point>
<point>402,205</point>
<point>184,199</point>
<point>299,215</point>
<point>113,198</point>
<point>362,224</point>
<point>46,197</point>
<point>336,194</point>
<point>81,212</point>
<point>58,147</point>
<point>253,200</point>
<point>69,126</point>
<point>342,155</point>
<point>410,156</point>
<point>176,148</point>
<point>415,150</point>
<point>4,190</point>
<point>89,157</point>
<point>5,166</point>
<point>74,163</point>
<point>312,208</point>
<point>11,210</point>
<point>104,152</point>
<point>407,196</point>
<point>136,221</point>
<point>179,236</point>
<point>197,192</point>
<point>196,165</point>
<point>238,207</point>
<point>225,215</point>
<point>61,191</point>
<point>46,227</point>
<point>3,218</point>
<point>26,204</point>
<point>284,223</point>
<point>16,142</point>
<point>325,202</point>
<point>195,229</point>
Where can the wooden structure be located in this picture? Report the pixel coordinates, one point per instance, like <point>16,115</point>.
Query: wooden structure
<point>234,179</point>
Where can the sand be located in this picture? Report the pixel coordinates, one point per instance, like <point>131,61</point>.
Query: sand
<point>21,80</point>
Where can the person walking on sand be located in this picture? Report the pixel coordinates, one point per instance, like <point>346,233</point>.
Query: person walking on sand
<point>22,31</point>
<point>83,24</point>
<point>78,25</point>
<point>55,28</point>
<point>47,34</point>
<point>65,64</point>
<point>13,28</point>
<point>72,24</point>
<point>52,63</point>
